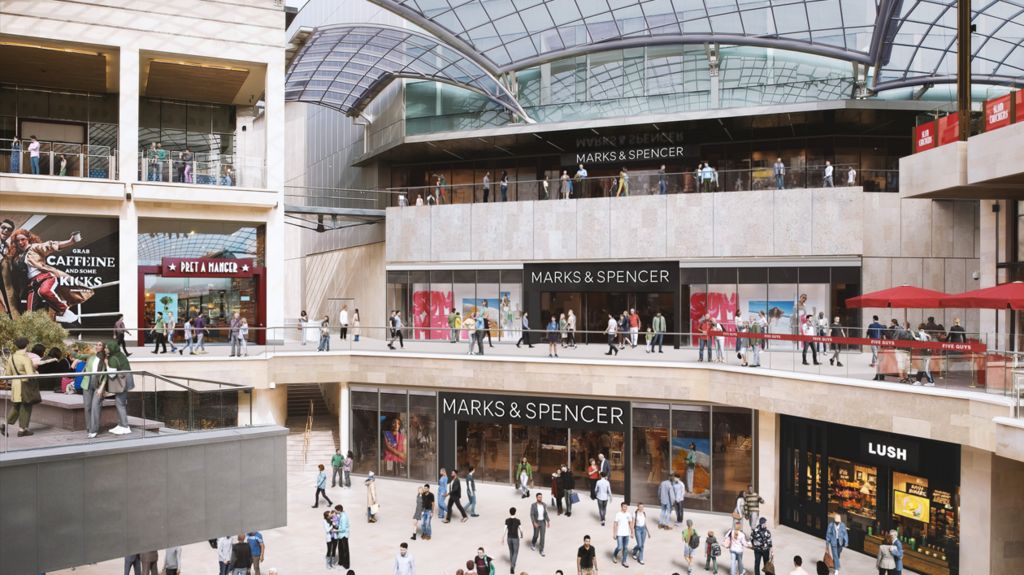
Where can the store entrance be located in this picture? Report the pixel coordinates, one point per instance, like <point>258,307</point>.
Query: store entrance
<point>804,493</point>
<point>592,310</point>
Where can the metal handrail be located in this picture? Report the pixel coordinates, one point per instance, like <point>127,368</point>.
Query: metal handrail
<point>307,433</point>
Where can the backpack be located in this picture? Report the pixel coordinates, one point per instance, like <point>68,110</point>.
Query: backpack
<point>694,541</point>
<point>716,549</point>
<point>490,565</point>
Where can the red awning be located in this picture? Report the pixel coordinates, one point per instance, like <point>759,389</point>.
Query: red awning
<point>1004,296</point>
<point>901,296</point>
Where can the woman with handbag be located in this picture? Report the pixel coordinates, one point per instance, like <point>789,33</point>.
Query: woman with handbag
<point>372,505</point>
<point>836,539</point>
<point>119,381</point>
<point>886,561</point>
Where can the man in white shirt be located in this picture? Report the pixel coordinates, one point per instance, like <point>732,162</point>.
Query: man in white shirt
<point>828,174</point>
<point>405,564</point>
<point>343,321</point>
<point>622,532</point>
<point>798,566</point>
<point>851,177</point>
<point>810,331</point>
<point>224,553</point>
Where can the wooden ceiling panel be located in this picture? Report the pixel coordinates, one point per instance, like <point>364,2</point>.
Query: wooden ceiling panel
<point>45,68</point>
<point>196,83</point>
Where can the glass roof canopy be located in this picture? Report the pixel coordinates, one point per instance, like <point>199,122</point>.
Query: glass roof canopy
<point>344,67</point>
<point>473,42</point>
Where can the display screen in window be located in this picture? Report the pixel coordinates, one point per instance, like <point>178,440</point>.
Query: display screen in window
<point>910,506</point>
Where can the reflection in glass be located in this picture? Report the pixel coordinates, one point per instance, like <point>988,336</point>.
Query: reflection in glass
<point>732,460</point>
<point>364,431</point>
<point>394,451</point>
<point>691,453</point>
<point>484,445</point>
<point>422,435</point>
<point>588,444</point>
<point>650,452</point>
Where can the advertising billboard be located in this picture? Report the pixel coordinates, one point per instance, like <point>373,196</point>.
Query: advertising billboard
<point>63,265</point>
<point>910,506</point>
<point>997,113</point>
<point>924,137</point>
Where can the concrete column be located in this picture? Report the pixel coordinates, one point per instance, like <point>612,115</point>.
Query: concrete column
<point>975,510</point>
<point>344,407</point>
<point>992,235</point>
<point>128,117</point>
<point>1007,540</point>
<point>128,261</point>
<point>768,464</point>
<point>275,139</point>
<point>268,406</point>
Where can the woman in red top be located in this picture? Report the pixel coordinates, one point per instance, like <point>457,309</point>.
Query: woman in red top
<point>593,473</point>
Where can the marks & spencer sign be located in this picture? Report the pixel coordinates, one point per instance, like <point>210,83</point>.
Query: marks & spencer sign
<point>655,153</point>
<point>206,268</point>
<point>638,276</point>
<point>527,410</point>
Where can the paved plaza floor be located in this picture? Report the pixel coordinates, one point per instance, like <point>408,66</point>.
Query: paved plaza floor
<point>298,549</point>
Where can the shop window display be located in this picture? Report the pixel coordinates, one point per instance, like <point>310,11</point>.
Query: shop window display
<point>650,451</point>
<point>422,437</point>
<point>927,522</point>
<point>732,460</point>
<point>394,448</point>
<point>486,446</point>
<point>853,492</point>
<point>588,444</point>
<point>364,444</point>
<point>691,453</point>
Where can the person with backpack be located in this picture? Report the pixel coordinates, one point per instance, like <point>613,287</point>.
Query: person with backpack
<point>711,552</point>
<point>482,563</point>
<point>761,541</point>
<point>691,541</point>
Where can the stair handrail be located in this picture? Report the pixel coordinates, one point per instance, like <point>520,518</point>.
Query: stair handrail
<point>307,433</point>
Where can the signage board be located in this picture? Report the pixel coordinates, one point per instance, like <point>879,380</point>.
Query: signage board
<point>924,137</point>
<point>949,128</point>
<point>207,268</point>
<point>627,155</point>
<point>889,450</point>
<point>1018,105</point>
<point>558,412</point>
<point>997,113</point>
<point>603,277</point>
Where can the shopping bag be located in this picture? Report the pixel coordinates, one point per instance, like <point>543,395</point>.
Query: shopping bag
<point>574,497</point>
<point>374,509</point>
<point>829,562</point>
<point>769,565</point>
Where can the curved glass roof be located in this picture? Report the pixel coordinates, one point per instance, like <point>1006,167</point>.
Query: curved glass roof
<point>906,41</point>
<point>345,66</point>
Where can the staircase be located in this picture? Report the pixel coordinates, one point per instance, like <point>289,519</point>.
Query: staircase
<point>323,437</point>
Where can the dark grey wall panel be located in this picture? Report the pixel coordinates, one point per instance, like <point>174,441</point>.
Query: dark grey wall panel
<point>71,506</point>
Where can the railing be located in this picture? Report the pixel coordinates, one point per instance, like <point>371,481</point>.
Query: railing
<point>177,166</point>
<point>645,183</point>
<point>156,405</point>
<point>58,159</point>
<point>322,197</point>
<point>307,433</point>
<point>985,363</point>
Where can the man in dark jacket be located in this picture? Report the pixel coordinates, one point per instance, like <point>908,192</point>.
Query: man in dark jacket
<point>454,496</point>
<point>241,554</point>
<point>565,487</point>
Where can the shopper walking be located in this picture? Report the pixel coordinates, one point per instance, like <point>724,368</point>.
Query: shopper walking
<point>612,331</point>
<point>809,331</point>
<point>691,541</point>
<point>512,535</point>
<point>752,506</point>
<point>396,330</point>
<point>622,532</point>
<point>120,332</point>
<point>233,329</point>
<point>256,548</point>
<point>586,558</point>
<point>524,337</point>
<point>678,497</point>
<point>524,475</point>
<point>551,334</point>
<point>666,499</point>
<point>426,513</point>
<point>603,493</point>
<point>836,330</point>
<point>24,392</point>
<point>372,504</point>
<point>736,542</point>
<point>829,170</point>
<point>481,331</point>
<point>541,521</point>
<point>712,550</point>
<point>199,328</point>
<point>321,487</point>
<point>471,491</point>
<point>780,174</point>
<point>567,487</point>
<point>455,497</point>
<point>570,329</point>
<point>640,533</point>
<point>159,333</point>
<point>926,357</point>
<point>761,543</point>
<point>405,564</point>
<point>755,328</point>
<point>836,539</point>
<point>875,331</point>
<point>592,476</point>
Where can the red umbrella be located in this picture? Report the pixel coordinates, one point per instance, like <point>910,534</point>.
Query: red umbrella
<point>1003,296</point>
<point>900,296</point>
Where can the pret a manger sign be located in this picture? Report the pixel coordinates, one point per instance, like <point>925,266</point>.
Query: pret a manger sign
<point>207,267</point>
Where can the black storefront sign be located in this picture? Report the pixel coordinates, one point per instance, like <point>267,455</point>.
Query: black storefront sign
<point>604,277</point>
<point>526,410</point>
<point>889,450</point>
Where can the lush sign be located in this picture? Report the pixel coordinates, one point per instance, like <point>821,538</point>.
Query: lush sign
<point>889,450</point>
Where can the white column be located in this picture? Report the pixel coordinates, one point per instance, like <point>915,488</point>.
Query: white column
<point>128,262</point>
<point>344,406</point>
<point>128,116</point>
<point>768,464</point>
<point>975,510</point>
<point>275,138</point>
